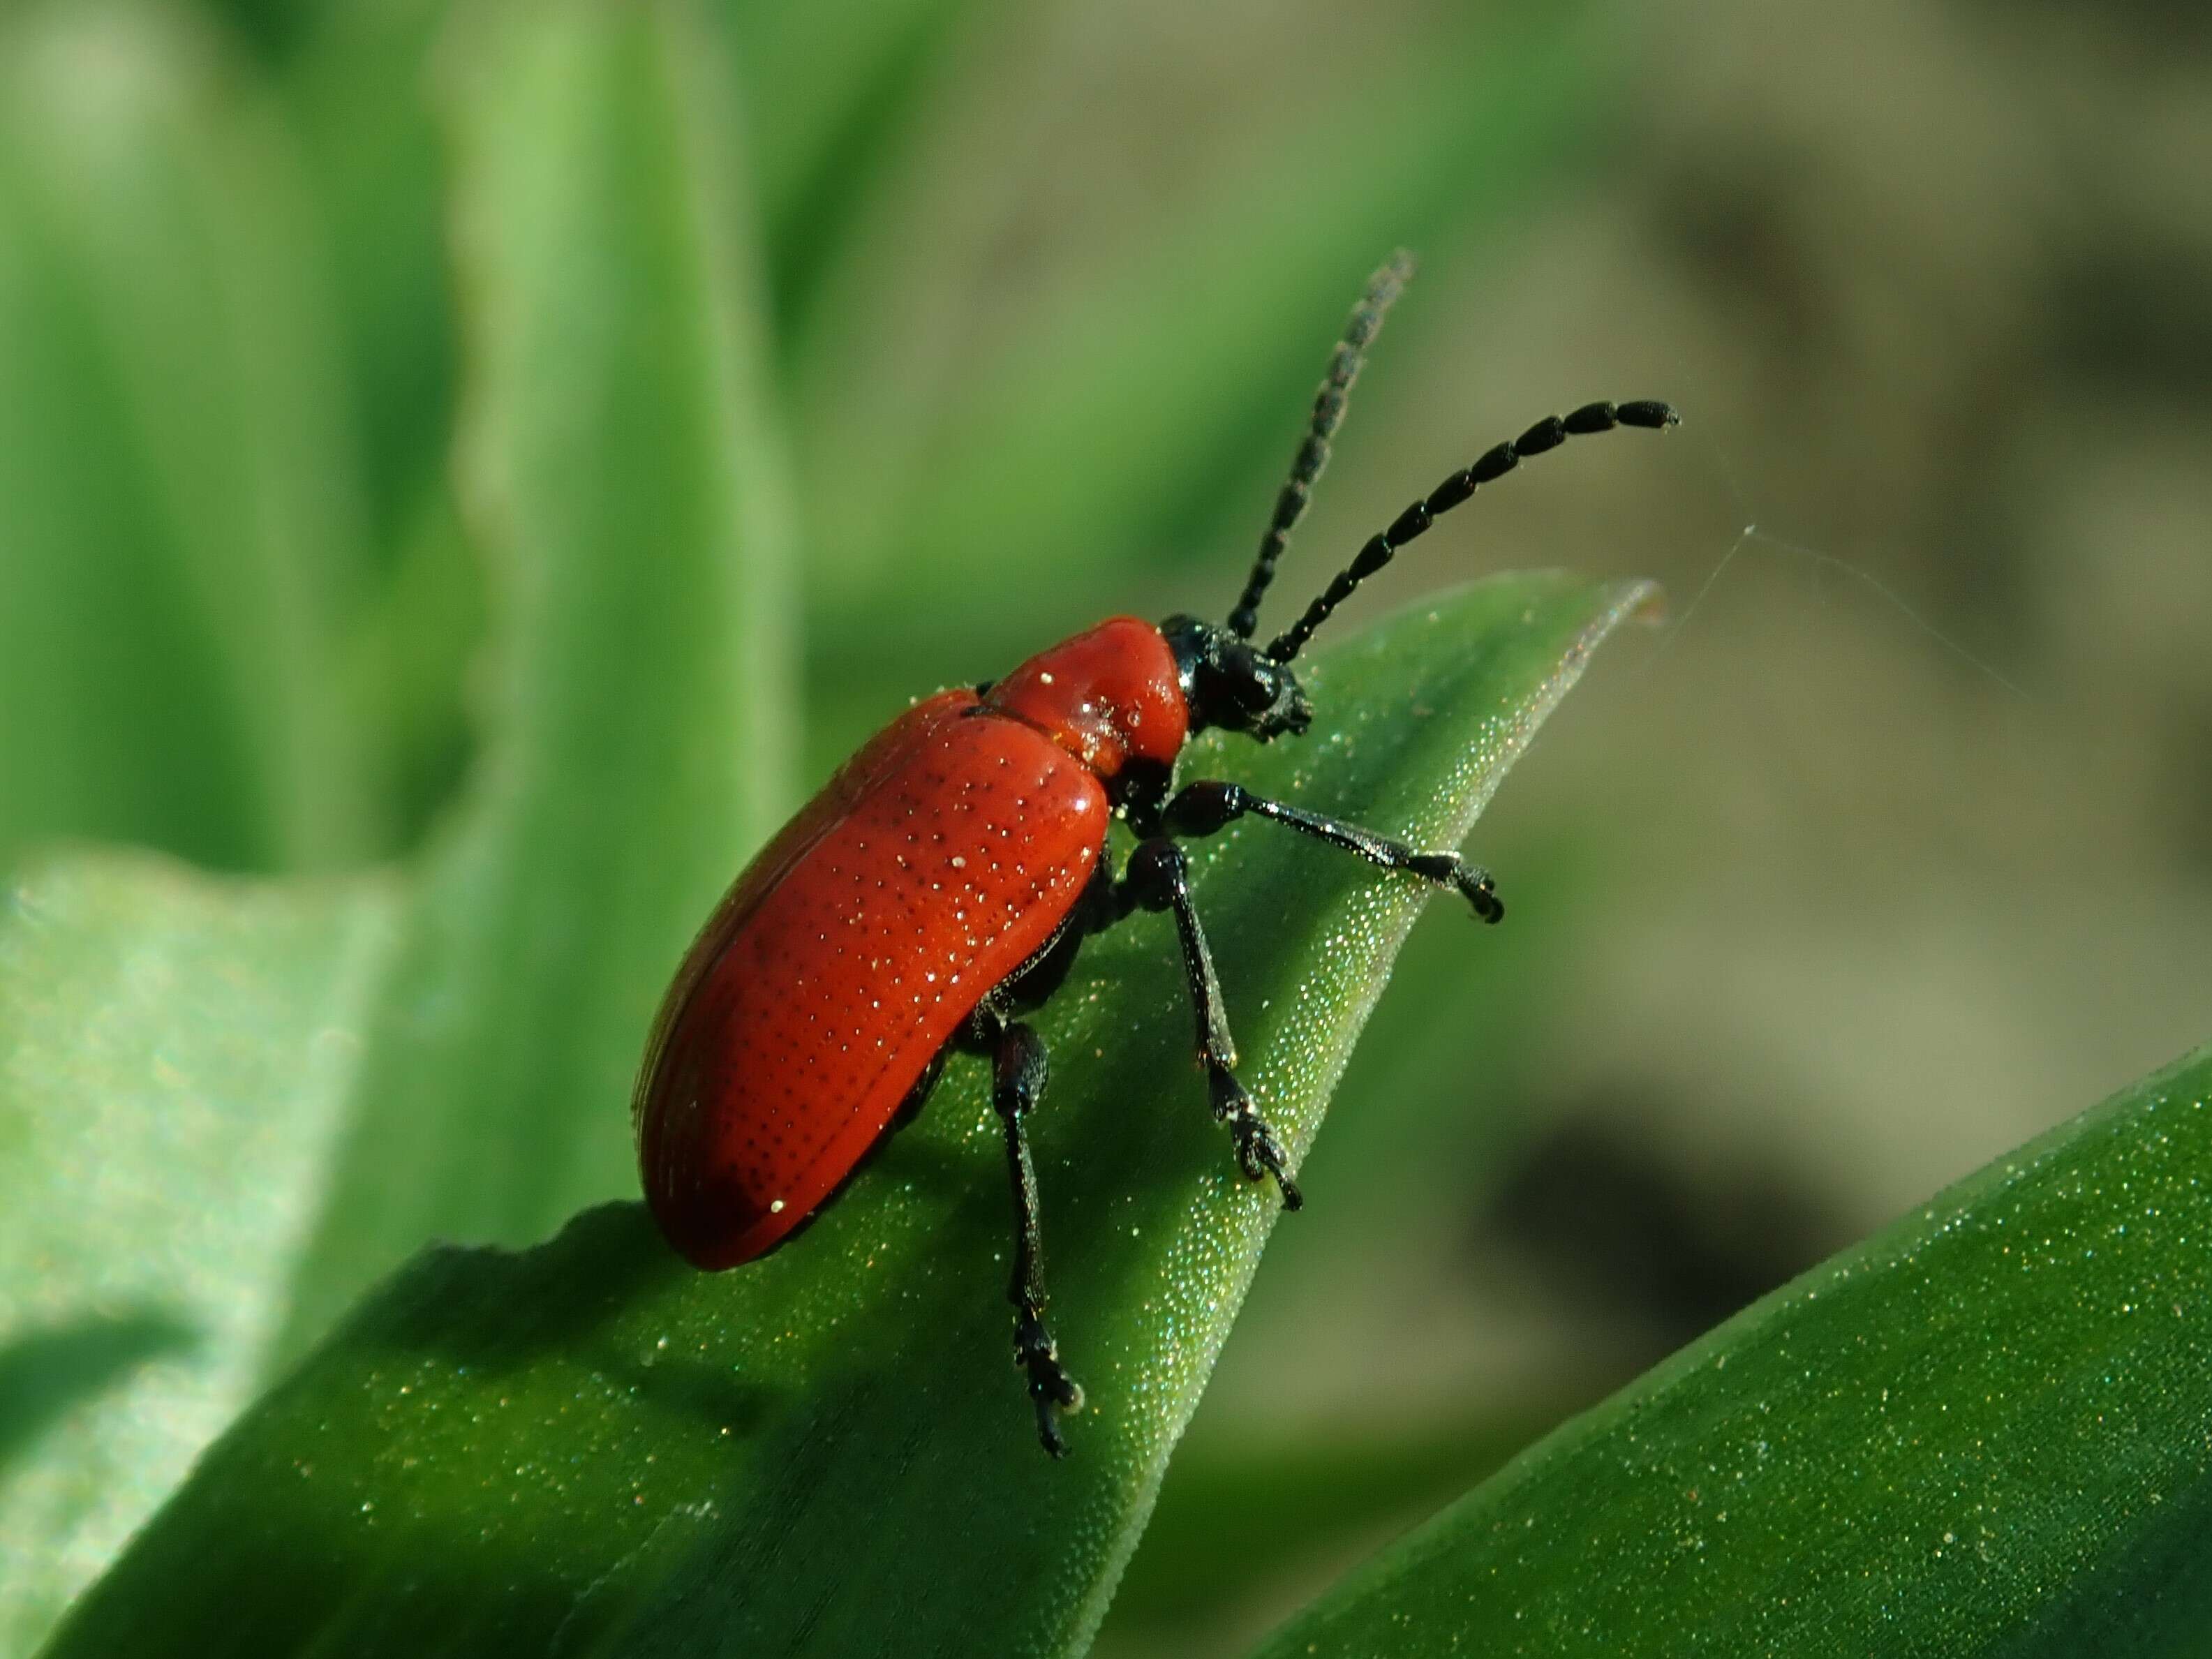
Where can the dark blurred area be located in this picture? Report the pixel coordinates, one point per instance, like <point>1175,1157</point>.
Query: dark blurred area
<point>1600,1219</point>
<point>1890,849</point>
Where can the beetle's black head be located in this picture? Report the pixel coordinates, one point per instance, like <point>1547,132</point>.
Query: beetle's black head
<point>1228,683</point>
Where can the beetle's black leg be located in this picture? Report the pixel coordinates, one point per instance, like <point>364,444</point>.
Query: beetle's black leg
<point>1201,808</point>
<point>1157,879</point>
<point>1019,1071</point>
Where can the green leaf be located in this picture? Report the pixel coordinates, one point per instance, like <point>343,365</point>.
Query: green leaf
<point>1987,1432</point>
<point>343,1070</point>
<point>178,500</point>
<point>356,83</point>
<point>621,473</point>
<point>590,1447</point>
<point>161,1033</point>
<point>359,91</point>
<point>828,91</point>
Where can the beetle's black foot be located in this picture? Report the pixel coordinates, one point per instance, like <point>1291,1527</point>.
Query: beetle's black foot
<point>1475,884</point>
<point>1481,892</point>
<point>1051,1390</point>
<point>1259,1153</point>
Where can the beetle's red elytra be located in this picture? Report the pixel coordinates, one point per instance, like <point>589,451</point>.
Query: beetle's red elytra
<point>941,884</point>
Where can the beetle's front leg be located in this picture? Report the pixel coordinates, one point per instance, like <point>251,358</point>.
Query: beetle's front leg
<point>1157,877</point>
<point>1201,808</point>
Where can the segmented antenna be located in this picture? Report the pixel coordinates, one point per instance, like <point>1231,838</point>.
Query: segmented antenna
<point>1383,288</point>
<point>1548,434</point>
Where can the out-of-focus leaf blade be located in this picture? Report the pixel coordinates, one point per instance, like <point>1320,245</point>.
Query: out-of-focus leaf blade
<point>359,90</point>
<point>1987,1432</point>
<point>622,477</point>
<point>826,96</point>
<point>161,1033</point>
<point>355,85</point>
<point>589,1447</point>
<point>179,506</point>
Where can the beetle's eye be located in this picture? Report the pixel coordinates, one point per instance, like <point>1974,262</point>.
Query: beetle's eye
<point>1248,680</point>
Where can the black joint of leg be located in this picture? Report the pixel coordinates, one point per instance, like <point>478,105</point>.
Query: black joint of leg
<point>1228,1096</point>
<point>1201,808</point>
<point>1495,464</point>
<point>1377,552</point>
<point>1157,871</point>
<point>1647,412</point>
<point>1547,433</point>
<point>1019,1072</point>
<point>1592,418</point>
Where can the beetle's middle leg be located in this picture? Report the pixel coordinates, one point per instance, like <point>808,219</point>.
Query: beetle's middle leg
<point>1201,808</point>
<point>1018,1073</point>
<point>1157,877</point>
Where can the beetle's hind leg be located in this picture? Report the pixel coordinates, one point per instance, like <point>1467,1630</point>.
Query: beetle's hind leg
<point>1019,1073</point>
<point>1201,808</point>
<point>1157,877</point>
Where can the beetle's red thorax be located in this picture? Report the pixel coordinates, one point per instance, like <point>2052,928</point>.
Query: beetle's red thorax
<point>1110,695</point>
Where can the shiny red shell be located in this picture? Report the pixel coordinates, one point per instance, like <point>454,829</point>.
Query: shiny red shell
<point>938,859</point>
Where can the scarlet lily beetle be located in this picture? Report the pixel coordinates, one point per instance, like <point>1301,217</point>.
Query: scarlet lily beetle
<point>943,879</point>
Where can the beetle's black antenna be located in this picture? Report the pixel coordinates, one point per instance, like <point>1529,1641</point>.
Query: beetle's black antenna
<point>1547,433</point>
<point>1383,288</point>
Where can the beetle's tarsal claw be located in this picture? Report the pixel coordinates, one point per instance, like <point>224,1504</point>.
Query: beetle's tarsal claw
<point>1481,890</point>
<point>1051,1390</point>
<point>1261,1155</point>
<point>1259,1152</point>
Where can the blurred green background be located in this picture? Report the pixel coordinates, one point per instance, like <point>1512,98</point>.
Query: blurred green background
<point>1909,801</point>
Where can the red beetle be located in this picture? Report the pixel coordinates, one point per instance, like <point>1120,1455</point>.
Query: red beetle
<point>943,881</point>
